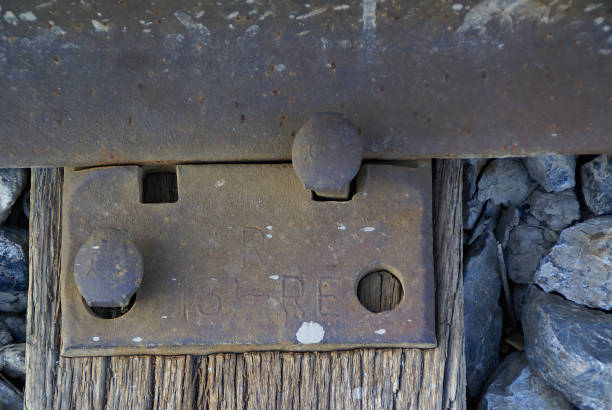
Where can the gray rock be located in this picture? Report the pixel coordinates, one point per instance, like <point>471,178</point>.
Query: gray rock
<point>26,204</point>
<point>519,295</point>
<point>472,206</point>
<point>579,266</point>
<point>13,265</point>
<point>504,181</point>
<point>508,219</point>
<point>553,172</point>
<point>12,361</point>
<point>570,348</point>
<point>514,387</point>
<point>471,213</point>
<point>526,246</point>
<point>12,181</point>
<point>9,399</point>
<point>597,184</point>
<point>487,222</point>
<point>14,302</point>
<point>17,235</point>
<point>483,315</point>
<point>556,210</point>
<point>5,335</point>
<point>471,170</point>
<point>16,326</point>
<point>528,219</point>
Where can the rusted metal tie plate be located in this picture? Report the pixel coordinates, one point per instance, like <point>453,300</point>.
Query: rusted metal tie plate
<point>247,260</point>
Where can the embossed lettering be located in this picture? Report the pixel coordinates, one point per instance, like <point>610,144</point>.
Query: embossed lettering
<point>210,303</point>
<point>252,244</point>
<point>292,291</point>
<point>327,300</point>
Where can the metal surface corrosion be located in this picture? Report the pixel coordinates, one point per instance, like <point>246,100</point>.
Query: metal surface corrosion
<point>246,260</point>
<point>122,82</point>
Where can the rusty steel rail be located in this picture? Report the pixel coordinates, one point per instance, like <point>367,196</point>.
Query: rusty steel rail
<point>119,82</point>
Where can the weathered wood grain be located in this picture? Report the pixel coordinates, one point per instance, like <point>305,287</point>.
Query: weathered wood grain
<point>362,378</point>
<point>43,327</point>
<point>379,291</point>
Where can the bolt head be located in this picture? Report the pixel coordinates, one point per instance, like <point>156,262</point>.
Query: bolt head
<point>108,269</point>
<point>327,154</point>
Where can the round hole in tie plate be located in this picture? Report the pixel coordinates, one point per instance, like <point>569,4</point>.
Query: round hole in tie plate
<point>110,312</point>
<point>379,290</point>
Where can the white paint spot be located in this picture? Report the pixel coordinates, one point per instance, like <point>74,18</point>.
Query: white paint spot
<point>344,43</point>
<point>592,6</point>
<point>28,16</point>
<point>368,33</point>
<point>43,5</point>
<point>509,12</point>
<point>313,13</point>
<point>95,247</point>
<point>606,28</point>
<point>357,393</point>
<point>199,14</point>
<point>164,317</point>
<point>269,227</point>
<point>137,339</point>
<point>10,18</point>
<point>457,7</point>
<point>55,29</point>
<point>605,51</point>
<point>220,183</point>
<point>174,279</point>
<point>380,331</point>
<point>186,20</point>
<point>325,45</point>
<point>303,33</point>
<point>598,21</point>
<point>233,15</point>
<point>99,27</point>
<point>176,37</point>
<point>279,68</point>
<point>369,15</point>
<point>341,7</point>
<point>309,333</point>
<point>274,277</point>
<point>368,228</point>
<point>269,235</point>
<point>96,338</point>
<point>341,227</point>
<point>252,31</point>
<point>266,14</point>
